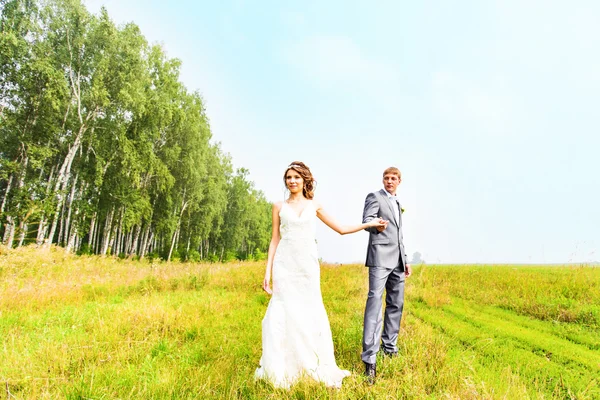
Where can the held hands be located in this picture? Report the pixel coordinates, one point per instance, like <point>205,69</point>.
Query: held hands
<point>379,223</point>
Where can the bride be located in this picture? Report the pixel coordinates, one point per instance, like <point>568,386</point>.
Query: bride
<point>296,337</point>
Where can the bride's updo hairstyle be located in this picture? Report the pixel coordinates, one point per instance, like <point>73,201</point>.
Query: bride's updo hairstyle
<point>308,190</point>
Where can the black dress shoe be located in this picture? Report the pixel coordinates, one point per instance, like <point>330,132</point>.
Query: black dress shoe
<point>370,373</point>
<point>390,354</point>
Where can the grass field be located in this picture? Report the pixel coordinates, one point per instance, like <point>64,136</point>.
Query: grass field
<point>102,328</point>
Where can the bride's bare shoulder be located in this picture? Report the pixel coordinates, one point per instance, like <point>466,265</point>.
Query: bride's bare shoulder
<point>277,205</point>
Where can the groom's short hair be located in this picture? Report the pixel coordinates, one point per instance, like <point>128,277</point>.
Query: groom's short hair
<point>392,170</point>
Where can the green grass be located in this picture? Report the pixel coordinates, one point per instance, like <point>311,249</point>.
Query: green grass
<point>102,328</point>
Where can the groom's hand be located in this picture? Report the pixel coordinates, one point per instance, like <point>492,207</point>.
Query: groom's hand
<point>408,270</point>
<point>385,224</point>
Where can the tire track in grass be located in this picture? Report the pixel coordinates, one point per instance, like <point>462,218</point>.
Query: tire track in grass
<point>477,379</point>
<point>548,344</point>
<point>574,333</point>
<point>496,351</point>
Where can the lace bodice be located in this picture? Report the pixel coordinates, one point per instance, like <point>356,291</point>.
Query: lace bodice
<point>293,226</point>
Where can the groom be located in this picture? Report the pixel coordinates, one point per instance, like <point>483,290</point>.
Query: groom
<point>388,268</point>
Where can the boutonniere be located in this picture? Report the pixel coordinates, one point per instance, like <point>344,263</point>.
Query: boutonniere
<point>402,210</point>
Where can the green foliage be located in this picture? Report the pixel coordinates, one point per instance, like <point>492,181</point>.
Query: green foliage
<point>213,258</point>
<point>193,256</point>
<point>153,256</point>
<point>259,255</point>
<point>229,256</point>
<point>85,249</point>
<point>102,148</point>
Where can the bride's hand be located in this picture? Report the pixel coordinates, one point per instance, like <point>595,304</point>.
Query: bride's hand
<point>379,223</point>
<point>267,286</point>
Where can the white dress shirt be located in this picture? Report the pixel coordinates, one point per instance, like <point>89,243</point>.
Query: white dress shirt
<point>395,204</point>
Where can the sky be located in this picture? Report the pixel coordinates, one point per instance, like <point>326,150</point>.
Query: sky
<point>489,109</point>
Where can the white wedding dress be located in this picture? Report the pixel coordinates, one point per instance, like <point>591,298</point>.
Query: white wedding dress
<point>296,336</point>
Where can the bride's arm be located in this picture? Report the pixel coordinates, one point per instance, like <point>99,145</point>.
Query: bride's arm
<point>345,229</point>
<point>275,237</point>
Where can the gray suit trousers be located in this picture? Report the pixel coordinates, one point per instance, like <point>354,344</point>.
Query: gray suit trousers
<point>392,280</point>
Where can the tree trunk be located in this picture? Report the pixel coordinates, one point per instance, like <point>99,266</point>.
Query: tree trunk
<point>6,192</point>
<point>150,243</point>
<point>71,241</point>
<point>77,219</point>
<point>98,237</point>
<point>23,232</point>
<point>115,243</point>
<point>10,235</point>
<point>184,205</point>
<point>143,245</point>
<point>73,236</point>
<point>9,231</point>
<point>127,242</point>
<point>42,225</point>
<point>107,230</point>
<point>172,243</point>
<point>135,242</point>
<point>69,207</point>
<point>73,232</point>
<point>64,173</point>
<point>61,226</point>
<point>92,230</point>
<point>61,183</point>
<point>119,235</point>
<point>112,238</point>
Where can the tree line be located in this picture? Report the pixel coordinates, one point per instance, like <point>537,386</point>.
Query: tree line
<point>104,151</point>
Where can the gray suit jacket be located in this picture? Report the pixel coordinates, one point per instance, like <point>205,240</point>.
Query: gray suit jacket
<point>385,248</point>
